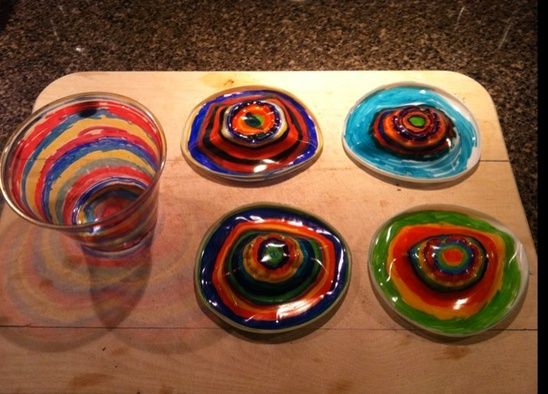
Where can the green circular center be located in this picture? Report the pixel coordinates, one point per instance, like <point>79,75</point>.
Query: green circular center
<point>253,120</point>
<point>273,254</point>
<point>417,121</point>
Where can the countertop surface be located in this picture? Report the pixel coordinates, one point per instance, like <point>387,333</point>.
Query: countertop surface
<point>493,42</point>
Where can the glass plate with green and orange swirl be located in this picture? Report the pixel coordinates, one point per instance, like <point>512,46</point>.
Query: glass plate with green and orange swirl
<point>448,270</point>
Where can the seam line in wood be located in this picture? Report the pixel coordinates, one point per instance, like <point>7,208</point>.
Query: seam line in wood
<point>219,328</point>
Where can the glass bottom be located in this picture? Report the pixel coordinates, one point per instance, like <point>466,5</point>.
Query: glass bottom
<point>134,247</point>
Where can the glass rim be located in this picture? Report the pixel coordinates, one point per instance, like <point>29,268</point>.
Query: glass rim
<point>84,96</point>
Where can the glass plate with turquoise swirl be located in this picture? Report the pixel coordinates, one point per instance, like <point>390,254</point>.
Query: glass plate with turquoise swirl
<point>360,144</point>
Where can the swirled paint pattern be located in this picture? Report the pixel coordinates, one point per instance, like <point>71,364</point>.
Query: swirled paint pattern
<point>448,272</point>
<point>271,268</point>
<point>251,134</point>
<point>79,162</point>
<point>418,132</point>
<point>413,133</point>
<point>449,262</point>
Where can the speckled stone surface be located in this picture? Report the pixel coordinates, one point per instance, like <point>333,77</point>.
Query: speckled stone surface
<point>492,41</point>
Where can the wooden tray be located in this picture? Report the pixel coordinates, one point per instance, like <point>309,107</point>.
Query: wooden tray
<point>68,325</point>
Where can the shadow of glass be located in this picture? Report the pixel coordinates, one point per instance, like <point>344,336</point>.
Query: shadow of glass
<point>167,320</point>
<point>117,284</point>
<point>54,297</point>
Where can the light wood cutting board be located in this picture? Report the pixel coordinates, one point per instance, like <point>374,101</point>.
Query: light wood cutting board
<point>67,325</point>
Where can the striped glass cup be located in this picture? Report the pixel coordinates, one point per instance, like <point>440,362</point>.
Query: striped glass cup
<point>88,165</point>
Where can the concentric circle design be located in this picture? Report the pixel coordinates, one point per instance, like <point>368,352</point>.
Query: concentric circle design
<point>413,133</point>
<point>449,262</point>
<point>451,272</point>
<point>269,268</point>
<point>251,133</point>
<point>254,123</point>
<point>419,132</point>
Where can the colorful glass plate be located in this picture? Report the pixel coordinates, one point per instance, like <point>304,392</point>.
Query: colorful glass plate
<point>251,133</point>
<point>448,270</point>
<point>269,268</point>
<point>413,133</point>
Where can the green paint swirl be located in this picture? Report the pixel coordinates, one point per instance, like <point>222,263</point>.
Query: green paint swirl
<point>492,313</point>
<point>254,120</point>
<point>263,292</point>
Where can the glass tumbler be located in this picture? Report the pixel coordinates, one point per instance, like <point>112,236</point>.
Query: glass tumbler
<point>87,165</point>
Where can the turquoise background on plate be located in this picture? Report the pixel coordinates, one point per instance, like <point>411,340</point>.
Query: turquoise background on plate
<point>359,140</point>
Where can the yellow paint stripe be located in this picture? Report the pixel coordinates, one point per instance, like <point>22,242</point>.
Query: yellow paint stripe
<point>83,162</point>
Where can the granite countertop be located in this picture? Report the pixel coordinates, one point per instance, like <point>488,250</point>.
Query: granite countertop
<point>492,41</point>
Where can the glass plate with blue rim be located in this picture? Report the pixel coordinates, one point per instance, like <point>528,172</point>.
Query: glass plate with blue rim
<point>251,134</point>
<point>412,132</point>
<point>269,268</point>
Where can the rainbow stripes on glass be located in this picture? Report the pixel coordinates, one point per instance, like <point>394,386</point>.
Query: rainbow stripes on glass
<point>88,165</point>
<point>450,272</point>
<point>251,134</point>
<point>269,268</point>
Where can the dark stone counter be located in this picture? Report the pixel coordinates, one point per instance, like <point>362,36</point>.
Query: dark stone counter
<point>492,41</point>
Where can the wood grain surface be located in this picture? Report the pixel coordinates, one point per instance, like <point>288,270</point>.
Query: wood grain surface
<point>69,323</point>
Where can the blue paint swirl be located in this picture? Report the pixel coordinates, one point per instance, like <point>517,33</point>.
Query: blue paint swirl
<point>360,144</point>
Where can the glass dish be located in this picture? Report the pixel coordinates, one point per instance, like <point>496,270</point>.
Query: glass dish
<point>268,268</point>
<point>449,270</point>
<point>413,133</point>
<point>251,133</point>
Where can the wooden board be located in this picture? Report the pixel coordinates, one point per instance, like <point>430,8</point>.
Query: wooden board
<point>68,324</point>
